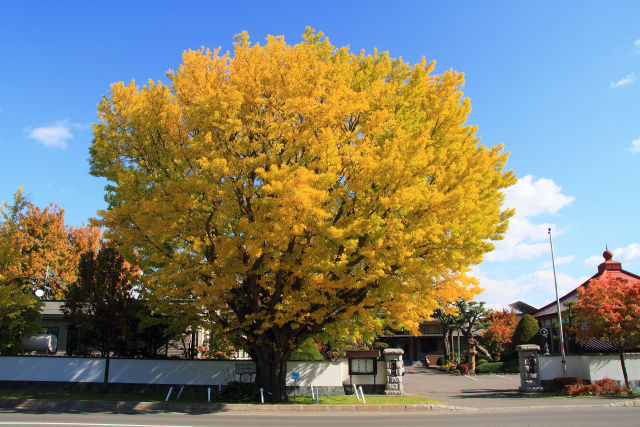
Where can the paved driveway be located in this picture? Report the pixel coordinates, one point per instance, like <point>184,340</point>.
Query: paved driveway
<point>439,385</point>
<point>484,391</point>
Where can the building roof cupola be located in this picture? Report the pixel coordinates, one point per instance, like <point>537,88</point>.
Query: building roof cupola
<point>609,264</point>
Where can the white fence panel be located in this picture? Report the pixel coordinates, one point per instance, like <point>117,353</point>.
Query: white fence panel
<point>592,367</point>
<point>191,372</point>
<point>64,369</point>
<point>316,373</point>
<point>141,371</point>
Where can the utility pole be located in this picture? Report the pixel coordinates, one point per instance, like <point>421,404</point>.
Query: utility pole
<point>553,264</point>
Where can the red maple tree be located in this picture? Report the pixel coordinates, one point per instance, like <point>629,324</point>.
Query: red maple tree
<point>609,310</point>
<point>498,335</point>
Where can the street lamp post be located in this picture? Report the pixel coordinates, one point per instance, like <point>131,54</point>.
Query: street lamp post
<point>555,282</point>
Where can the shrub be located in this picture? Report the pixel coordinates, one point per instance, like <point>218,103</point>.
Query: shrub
<point>481,362</point>
<point>463,368</point>
<point>498,368</point>
<point>456,371</point>
<point>308,350</point>
<point>605,386</point>
<point>441,360</point>
<point>238,391</point>
<point>562,382</point>
<point>527,331</point>
<point>380,345</point>
<point>447,366</point>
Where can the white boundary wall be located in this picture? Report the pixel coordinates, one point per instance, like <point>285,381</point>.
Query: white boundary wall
<point>141,371</point>
<point>591,367</point>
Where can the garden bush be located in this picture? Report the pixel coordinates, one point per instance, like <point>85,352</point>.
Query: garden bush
<point>308,350</point>
<point>562,382</point>
<point>497,368</point>
<point>447,366</point>
<point>527,331</point>
<point>463,368</point>
<point>606,386</point>
<point>481,362</point>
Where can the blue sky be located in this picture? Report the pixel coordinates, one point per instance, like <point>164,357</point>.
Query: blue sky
<point>556,82</point>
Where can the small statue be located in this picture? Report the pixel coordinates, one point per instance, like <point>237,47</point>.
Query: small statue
<point>544,343</point>
<point>531,364</point>
<point>471,354</point>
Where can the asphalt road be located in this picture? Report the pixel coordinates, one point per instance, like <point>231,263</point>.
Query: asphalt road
<point>565,417</point>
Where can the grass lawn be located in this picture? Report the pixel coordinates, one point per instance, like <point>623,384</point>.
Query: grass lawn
<point>157,397</point>
<point>374,399</point>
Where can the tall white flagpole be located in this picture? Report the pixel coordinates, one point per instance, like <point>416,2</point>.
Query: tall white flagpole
<point>555,282</point>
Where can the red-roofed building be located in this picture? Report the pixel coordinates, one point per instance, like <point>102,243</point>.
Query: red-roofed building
<point>547,316</point>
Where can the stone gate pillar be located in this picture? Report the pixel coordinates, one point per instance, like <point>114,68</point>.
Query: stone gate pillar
<point>393,371</point>
<point>529,358</point>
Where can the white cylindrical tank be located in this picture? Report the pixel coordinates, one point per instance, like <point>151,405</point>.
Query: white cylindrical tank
<point>43,343</point>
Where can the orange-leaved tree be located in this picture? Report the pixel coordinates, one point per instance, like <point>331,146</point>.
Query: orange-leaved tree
<point>283,190</point>
<point>502,325</point>
<point>608,309</point>
<point>39,247</point>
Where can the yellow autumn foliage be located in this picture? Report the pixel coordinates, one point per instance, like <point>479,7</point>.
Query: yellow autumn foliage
<point>283,188</point>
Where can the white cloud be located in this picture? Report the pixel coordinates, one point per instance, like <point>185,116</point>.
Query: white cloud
<point>531,197</point>
<point>563,260</point>
<point>635,146</point>
<point>55,136</point>
<point>626,80</point>
<point>536,289</point>
<point>525,238</point>
<point>629,254</point>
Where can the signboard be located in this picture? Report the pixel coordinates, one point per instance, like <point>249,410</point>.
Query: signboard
<point>243,368</point>
<point>295,375</point>
<point>363,366</point>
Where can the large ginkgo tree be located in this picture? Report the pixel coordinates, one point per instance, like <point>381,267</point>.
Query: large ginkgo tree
<point>282,190</point>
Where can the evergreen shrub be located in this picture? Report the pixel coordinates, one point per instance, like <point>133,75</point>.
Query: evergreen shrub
<point>498,368</point>
<point>527,331</point>
<point>308,350</point>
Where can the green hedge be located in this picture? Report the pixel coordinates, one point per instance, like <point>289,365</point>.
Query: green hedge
<point>498,368</point>
<point>527,331</point>
<point>308,350</point>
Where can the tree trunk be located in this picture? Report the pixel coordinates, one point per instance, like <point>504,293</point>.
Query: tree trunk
<point>624,371</point>
<point>271,372</point>
<point>484,351</point>
<point>445,340</point>
<point>106,373</point>
<point>105,385</point>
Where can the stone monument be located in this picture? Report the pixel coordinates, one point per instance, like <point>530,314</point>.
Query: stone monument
<point>393,371</point>
<point>544,342</point>
<point>528,356</point>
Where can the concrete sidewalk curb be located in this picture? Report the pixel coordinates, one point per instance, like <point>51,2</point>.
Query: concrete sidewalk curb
<point>129,406</point>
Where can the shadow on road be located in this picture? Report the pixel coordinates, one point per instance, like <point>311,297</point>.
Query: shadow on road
<point>491,393</point>
<point>44,406</point>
